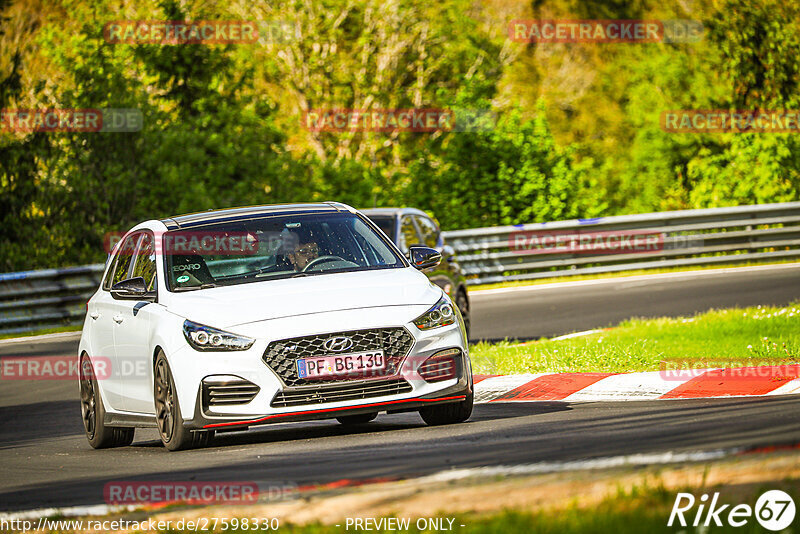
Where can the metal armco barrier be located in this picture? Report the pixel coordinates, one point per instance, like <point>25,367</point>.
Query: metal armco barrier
<point>764,232</point>
<point>34,300</point>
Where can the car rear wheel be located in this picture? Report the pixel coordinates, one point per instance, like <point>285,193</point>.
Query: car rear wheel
<point>447,414</point>
<point>93,413</point>
<point>174,435</point>
<point>359,419</point>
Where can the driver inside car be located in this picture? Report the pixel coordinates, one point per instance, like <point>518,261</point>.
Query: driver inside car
<point>302,255</point>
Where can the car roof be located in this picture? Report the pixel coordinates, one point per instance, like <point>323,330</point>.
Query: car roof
<point>250,212</point>
<point>393,212</point>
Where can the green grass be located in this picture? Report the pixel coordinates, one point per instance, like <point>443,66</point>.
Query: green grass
<point>642,509</point>
<point>601,276</point>
<point>56,330</point>
<point>741,337</point>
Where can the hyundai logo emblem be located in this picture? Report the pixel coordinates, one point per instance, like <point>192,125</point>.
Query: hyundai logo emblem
<point>338,344</point>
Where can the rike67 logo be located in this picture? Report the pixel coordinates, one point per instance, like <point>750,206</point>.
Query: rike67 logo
<point>774,510</point>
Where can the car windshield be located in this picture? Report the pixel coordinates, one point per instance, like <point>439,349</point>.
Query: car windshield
<point>271,248</point>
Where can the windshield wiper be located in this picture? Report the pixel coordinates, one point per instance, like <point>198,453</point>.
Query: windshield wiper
<point>192,288</point>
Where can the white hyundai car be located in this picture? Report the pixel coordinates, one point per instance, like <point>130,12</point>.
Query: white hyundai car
<point>226,319</point>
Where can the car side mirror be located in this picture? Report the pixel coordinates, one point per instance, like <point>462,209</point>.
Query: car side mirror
<point>424,257</point>
<point>132,289</point>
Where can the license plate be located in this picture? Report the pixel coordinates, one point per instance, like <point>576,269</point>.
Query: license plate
<point>356,364</point>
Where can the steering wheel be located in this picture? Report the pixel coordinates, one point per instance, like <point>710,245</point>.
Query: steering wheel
<point>321,259</point>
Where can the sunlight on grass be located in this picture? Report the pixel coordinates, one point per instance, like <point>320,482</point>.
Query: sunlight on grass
<point>748,336</point>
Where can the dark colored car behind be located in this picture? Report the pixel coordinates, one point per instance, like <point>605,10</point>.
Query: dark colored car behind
<point>408,227</point>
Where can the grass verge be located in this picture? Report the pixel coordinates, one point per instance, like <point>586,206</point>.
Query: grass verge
<point>43,331</point>
<point>760,335</point>
<point>641,509</point>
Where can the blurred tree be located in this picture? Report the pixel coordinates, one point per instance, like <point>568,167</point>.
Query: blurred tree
<point>759,42</point>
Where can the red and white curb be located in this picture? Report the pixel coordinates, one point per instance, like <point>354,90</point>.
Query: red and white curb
<point>677,384</point>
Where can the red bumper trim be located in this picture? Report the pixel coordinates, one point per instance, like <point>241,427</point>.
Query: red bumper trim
<point>305,412</point>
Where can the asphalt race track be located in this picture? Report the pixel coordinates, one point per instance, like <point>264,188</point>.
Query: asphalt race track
<point>546,312</point>
<point>47,461</point>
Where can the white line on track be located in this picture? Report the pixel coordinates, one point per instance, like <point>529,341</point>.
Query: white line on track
<point>635,278</point>
<point>576,465</point>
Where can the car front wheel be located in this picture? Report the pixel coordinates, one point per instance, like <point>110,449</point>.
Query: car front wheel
<point>174,435</point>
<point>463,307</point>
<point>447,414</point>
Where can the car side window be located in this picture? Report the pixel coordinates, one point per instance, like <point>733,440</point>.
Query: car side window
<point>121,263</point>
<point>145,265</point>
<point>408,233</point>
<point>428,231</point>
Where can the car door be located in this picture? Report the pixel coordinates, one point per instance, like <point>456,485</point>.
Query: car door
<point>132,333</point>
<point>104,311</point>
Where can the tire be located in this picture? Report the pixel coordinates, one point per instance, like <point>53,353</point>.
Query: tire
<point>93,413</point>
<point>359,419</point>
<point>447,414</point>
<point>174,435</point>
<point>463,306</point>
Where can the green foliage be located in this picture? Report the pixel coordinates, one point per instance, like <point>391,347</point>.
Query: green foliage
<point>760,47</point>
<point>513,173</point>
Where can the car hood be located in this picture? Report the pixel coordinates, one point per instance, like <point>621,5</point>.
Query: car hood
<point>227,307</point>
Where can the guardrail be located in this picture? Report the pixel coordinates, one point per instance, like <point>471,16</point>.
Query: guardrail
<point>34,300</point>
<point>765,232</point>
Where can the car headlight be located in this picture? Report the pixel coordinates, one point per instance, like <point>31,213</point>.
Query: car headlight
<point>442,314</point>
<point>202,337</point>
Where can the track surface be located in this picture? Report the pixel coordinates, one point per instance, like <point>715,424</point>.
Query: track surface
<point>539,311</point>
<point>46,460</point>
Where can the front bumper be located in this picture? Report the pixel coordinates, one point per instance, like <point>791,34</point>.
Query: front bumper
<point>249,365</point>
<point>203,421</point>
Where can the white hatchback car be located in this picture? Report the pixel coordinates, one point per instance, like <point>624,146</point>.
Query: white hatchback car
<point>226,319</point>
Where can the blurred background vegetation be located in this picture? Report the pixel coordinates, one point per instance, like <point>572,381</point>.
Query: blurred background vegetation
<point>577,130</point>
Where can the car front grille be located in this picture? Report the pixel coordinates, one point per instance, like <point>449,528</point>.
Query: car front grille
<point>281,355</point>
<point>229,392</point>
<point>346,391</point>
